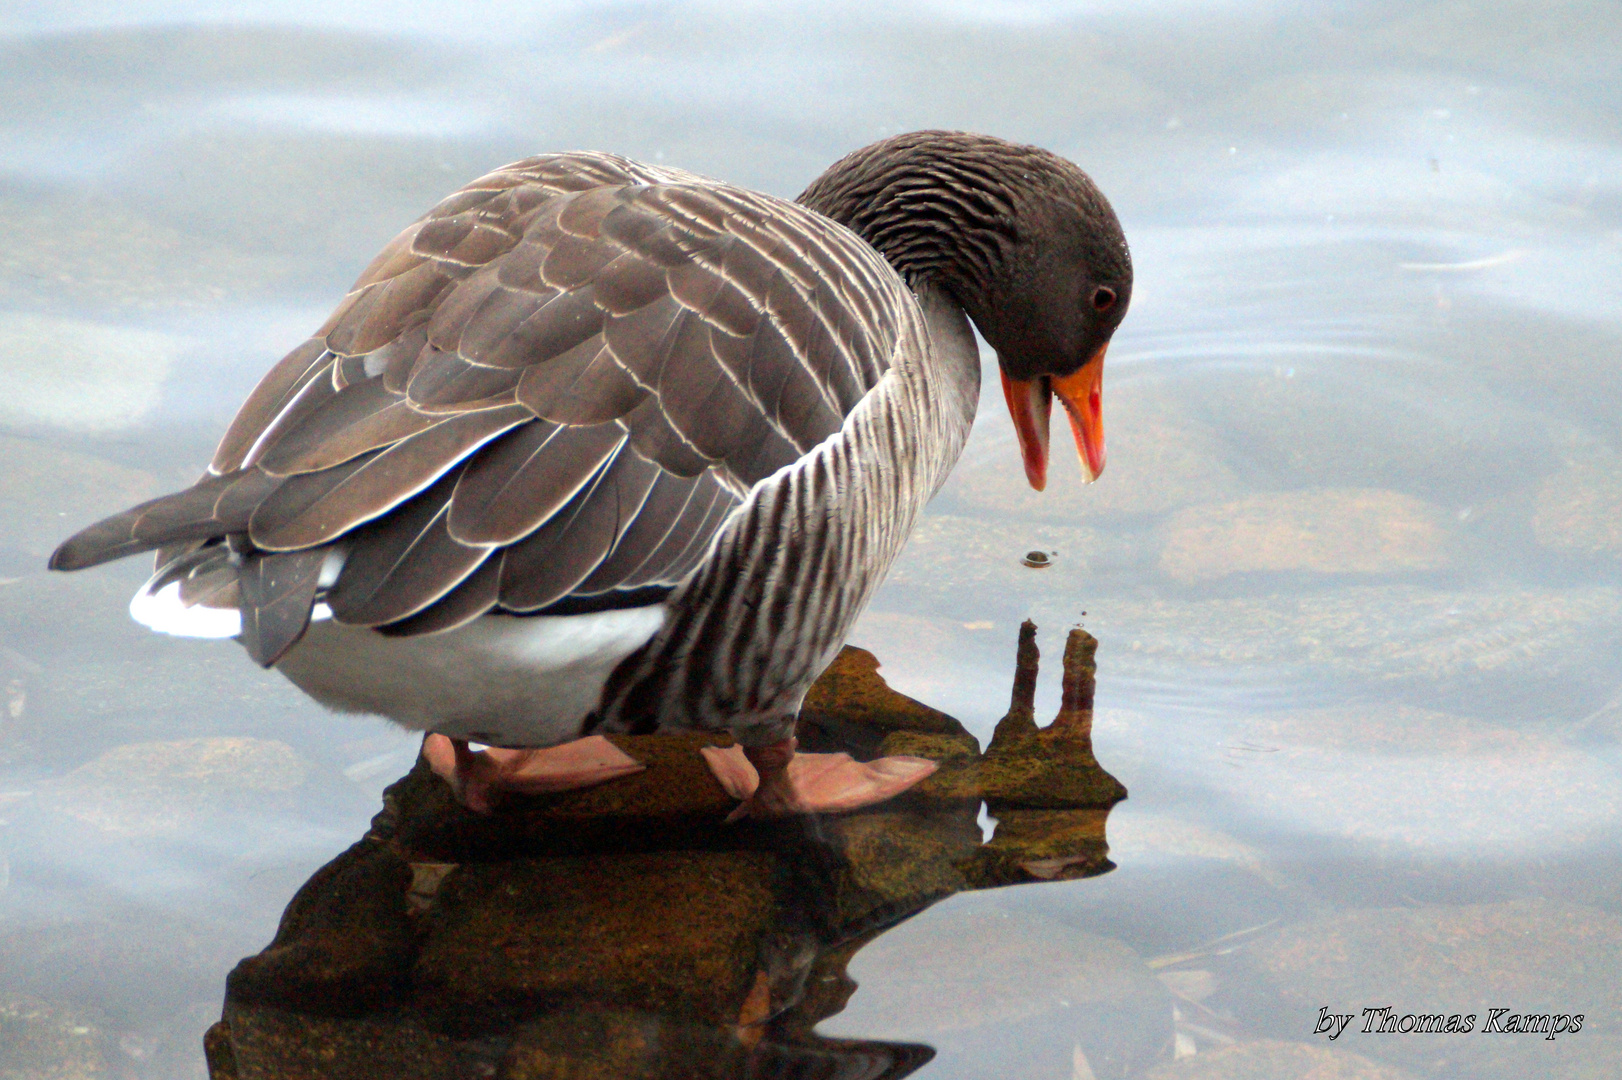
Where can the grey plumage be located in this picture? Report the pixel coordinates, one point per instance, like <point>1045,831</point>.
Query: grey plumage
<point>582,383</point>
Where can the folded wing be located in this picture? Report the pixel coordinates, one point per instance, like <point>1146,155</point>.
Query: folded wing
<point>544,397</point>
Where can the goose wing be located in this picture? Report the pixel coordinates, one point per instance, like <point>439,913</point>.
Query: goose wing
<point>544,396</point>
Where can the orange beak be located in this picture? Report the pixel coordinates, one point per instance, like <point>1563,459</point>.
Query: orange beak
<point>1082,394</point>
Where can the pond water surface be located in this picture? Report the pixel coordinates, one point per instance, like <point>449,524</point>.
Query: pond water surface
<point>1355,566</point>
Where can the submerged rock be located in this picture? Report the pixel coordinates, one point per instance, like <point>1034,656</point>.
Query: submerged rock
<point>983,983</point>
<point>1325,531</point>
<point>39,1041</point>
<point>1137,837</point>
<point>79,375</point>
<point>1395,780</point>
<point>1579,508</point>
<point>1416,779</point>
<point>47,492</point>
<point>1390,633</point>
<point>142,965</point>
<point>1160,459</point>
<point>76,630</point>
<point>69,250</point>
<point>1523,956</point>
<point>149,788</point>
<point>1266,1059</point>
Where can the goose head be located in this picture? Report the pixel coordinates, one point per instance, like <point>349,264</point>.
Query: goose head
<point>1025,243</point>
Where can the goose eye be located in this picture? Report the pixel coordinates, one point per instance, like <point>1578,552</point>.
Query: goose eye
<point>1103,299</point>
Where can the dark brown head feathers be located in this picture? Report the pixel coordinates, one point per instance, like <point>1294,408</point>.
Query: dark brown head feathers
<point>1020,237</point>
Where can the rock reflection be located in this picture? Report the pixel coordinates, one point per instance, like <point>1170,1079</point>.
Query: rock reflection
<point>625,931</point>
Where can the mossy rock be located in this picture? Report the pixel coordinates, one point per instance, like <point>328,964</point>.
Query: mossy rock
<point>1035,775</point>
<point>256,1042</point>
<point>627,930</point>
<point>1043,845</point>
<point>851,708</point>
<point>893,862</point>
<point>932,745</point>
<point>616,1044</point>
<point>1052,773</point>
<point>346,943</point>
<point>1579,509</point>
<point>674,800</point>
<point>672,932</point>
<point>1393,634</point>
<point>983,981</point>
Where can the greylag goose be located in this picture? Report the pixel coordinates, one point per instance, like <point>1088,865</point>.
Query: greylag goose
<point>597,446</point>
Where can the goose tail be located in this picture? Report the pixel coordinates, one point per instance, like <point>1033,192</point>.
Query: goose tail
<point>207,583</point>
<point>183,517</point>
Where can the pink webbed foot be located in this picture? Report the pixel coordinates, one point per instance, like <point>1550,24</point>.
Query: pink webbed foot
<point>774,781</point>
<point>480,777</point>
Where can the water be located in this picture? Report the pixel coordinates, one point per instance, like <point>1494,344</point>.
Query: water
<point>1355,564</point>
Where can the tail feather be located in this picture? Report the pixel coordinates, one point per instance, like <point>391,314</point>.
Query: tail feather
<point>182,564</point>
<point>277,594</point>
<point>198,581</point>
<point>192,595</point>
<point>211,508</point>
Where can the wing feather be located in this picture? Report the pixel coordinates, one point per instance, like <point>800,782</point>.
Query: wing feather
<point>659,513</point>
<point>574,262</point>
<point>586,385</point>
<point>448,382</point>
<point>513,328</point>
<point>548,564</point>
<point>466,239</point>
<point>682,562</point>
<point>514,485</point>
<point>374,484</point>
<point>315,392</point>
<point>698,522</point>
<point>279,386</point>
<point>386,308</point>
<point>549,392</point>
<point>655,438</point>
<point>402,563</point>
<point>645,337</point>
<point>449,320</point>
<point>472,598</point>
<point>360,418</point>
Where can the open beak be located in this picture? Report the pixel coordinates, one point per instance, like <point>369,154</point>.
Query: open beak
<point>1031,401</point>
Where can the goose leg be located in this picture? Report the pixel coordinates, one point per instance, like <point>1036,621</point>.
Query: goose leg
<point>480,777</point>
<point>773,780</point>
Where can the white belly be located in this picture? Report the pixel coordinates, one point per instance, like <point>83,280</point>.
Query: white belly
<point>502,680</point>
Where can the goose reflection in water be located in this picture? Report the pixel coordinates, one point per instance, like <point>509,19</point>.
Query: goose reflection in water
<point>625,931</point>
